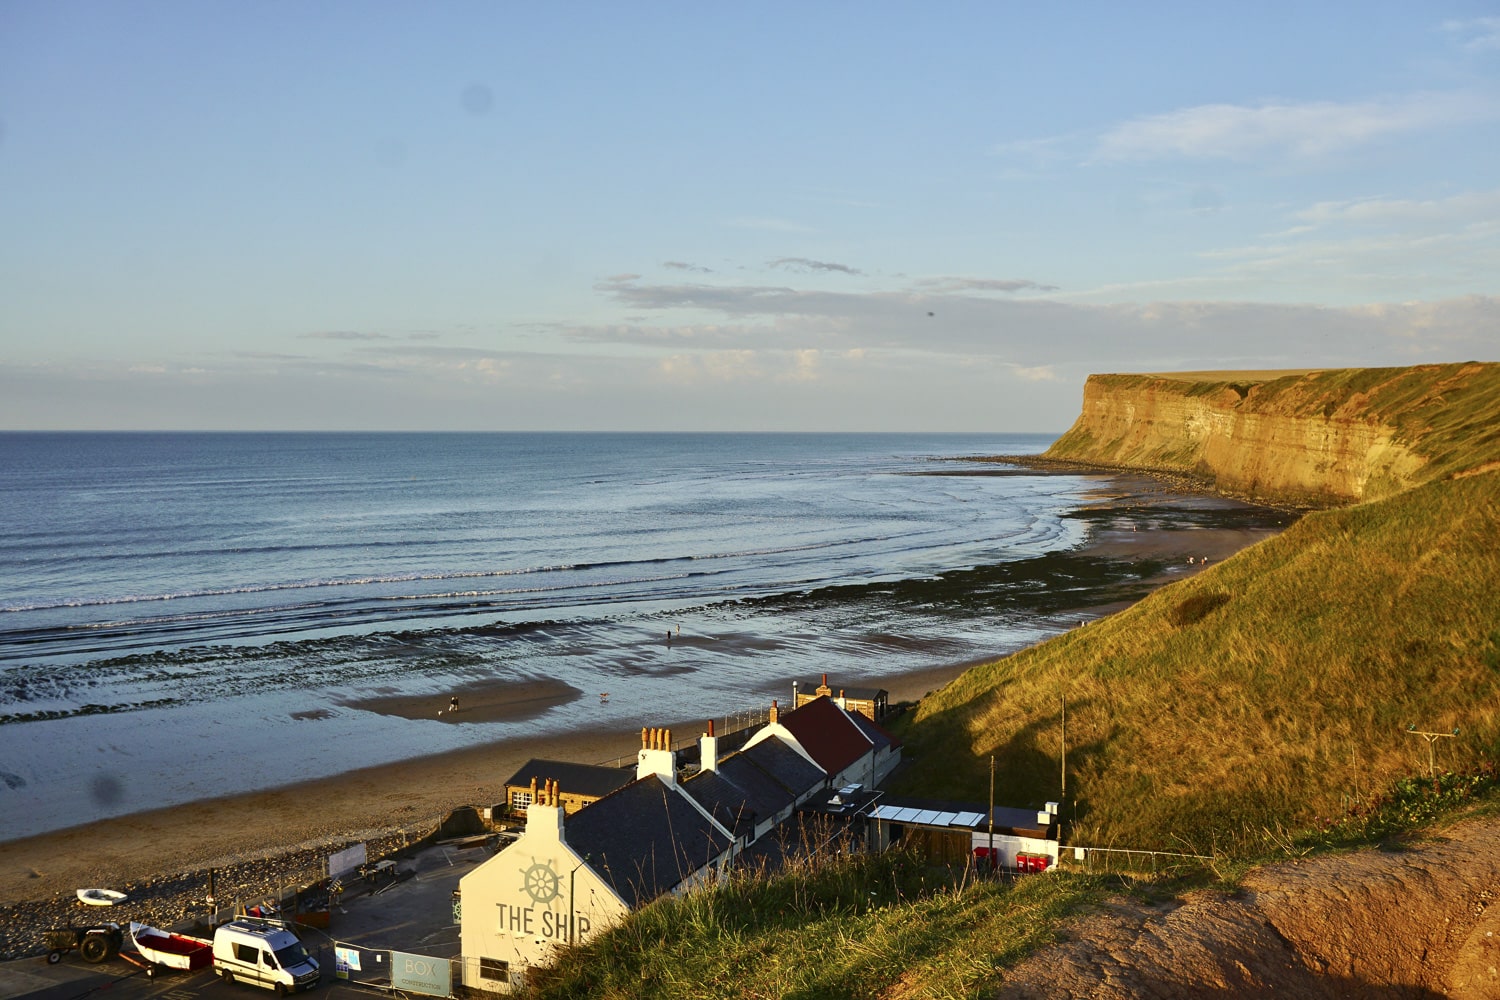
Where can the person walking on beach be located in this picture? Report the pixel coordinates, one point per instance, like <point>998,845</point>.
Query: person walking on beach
<point>453,704</point>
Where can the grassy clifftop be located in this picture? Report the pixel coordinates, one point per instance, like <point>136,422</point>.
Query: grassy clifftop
<point>1271,689</point>
<point>1334,436</point>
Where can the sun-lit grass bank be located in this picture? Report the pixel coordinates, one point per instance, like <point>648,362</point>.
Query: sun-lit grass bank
<point>1271,689</point>
<point>853,925</point>
<point>831,926</point>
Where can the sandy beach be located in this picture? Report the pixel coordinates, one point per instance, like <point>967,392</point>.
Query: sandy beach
<point>330,811</point>
<point>263,830</point>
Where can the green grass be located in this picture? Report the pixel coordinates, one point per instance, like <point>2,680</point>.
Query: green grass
<point>841,925</point>
<point>1253,697</point>
<point>1257,710</point>
<point>832,926</point>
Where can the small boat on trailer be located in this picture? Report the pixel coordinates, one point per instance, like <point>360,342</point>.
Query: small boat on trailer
<point>164,949</point>
<point>101,897</point>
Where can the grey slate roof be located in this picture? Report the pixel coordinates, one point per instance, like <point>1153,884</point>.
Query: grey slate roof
<point>788,767</point>
<point>644,839</point>
<point>874,732</point>
<point>724,799</point>
<point>574,779</point>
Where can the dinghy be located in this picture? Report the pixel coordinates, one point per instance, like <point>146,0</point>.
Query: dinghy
<point>101,897</point>
<point>172,951</point>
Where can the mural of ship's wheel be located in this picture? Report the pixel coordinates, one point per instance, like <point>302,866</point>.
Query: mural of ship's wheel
<point>541,882</point>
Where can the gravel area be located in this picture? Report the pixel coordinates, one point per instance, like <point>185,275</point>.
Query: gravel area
<point>170,900</point>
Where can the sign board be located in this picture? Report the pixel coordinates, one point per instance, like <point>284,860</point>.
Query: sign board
<point>419,974</point>
<point>344,960</point>
<point>346,861</point>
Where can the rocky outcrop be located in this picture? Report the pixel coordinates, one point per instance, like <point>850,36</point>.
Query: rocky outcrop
<point>1324,437</point>
<point>1408,922</point>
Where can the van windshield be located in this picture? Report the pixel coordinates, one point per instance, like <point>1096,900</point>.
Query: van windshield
<point>291,956</point>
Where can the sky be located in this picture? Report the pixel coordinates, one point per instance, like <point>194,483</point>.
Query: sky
<point>750,217</point>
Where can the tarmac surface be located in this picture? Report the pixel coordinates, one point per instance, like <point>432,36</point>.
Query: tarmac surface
<point>412,914</point>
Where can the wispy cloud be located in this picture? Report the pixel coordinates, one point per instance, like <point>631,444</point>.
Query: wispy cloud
<point>804,265</point>
<point>949,284</point>
<point>1466,208</point>
<point>1478,34</point>
<point>679,265</point>
<point>1034,336</point>
<point>342,335</point>
<point>1303,130</point>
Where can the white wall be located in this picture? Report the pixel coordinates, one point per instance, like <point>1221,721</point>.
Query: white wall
<point>517,904</point>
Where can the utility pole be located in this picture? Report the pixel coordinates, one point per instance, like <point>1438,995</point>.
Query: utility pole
<point>1431,739</point>
<point>1065,748</point>
<point>991,856</point>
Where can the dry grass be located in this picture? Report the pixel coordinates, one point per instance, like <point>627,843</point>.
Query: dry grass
<point>1255,697</point>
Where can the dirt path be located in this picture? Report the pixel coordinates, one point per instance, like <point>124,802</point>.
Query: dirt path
<point>1413,922</point>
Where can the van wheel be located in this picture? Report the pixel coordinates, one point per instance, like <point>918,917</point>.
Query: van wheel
<point>228,976</point>
<point>281,989</point>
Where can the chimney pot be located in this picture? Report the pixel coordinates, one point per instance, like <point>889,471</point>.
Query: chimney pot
<point>710,727</point>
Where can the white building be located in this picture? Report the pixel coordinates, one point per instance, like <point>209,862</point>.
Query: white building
<point>571,876</point>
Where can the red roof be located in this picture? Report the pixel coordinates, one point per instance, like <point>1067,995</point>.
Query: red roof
<point>831,738</point>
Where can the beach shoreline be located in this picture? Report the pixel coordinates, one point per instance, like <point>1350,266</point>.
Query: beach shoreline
<point>377,803</point>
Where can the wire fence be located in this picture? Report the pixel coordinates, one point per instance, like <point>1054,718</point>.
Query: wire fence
<point>1132,859</point>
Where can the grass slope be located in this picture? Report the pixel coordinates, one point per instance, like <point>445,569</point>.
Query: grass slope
<point>1269,690</point>
<point>1261,703</point>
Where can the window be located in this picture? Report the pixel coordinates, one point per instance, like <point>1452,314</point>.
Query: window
<point>519,801</point>
<point>493,968</point>
<point>247,953</point>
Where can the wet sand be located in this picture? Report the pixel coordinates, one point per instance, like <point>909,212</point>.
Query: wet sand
<point>493,701</point>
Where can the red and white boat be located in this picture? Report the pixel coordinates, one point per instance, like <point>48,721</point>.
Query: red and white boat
<point>173,951</point>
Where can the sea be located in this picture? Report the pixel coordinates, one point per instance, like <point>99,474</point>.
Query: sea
<point>189,615</point>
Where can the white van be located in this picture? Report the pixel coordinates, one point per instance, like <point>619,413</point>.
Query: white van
<point>264,954</point>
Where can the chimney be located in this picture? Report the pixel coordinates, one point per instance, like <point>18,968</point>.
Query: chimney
<point>824,689</point>
<point>771,719</point>
<point>708,750</point>
<point>545,814</point>
<point>657,756</point>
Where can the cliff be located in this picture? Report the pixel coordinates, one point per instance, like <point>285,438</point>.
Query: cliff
<point>1322,437</point>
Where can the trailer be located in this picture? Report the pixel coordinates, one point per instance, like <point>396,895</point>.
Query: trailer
<point>94,943</point>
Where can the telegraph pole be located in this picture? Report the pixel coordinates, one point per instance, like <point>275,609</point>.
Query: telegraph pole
<point>991,856</point>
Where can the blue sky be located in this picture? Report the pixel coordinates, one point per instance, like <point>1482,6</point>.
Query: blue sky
<point>754,217</point>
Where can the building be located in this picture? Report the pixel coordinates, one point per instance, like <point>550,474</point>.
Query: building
<point>872,703</point>
<point>849,747</point>
<point>571,875</point>
<point>953,832</point>
<point>579,784</point>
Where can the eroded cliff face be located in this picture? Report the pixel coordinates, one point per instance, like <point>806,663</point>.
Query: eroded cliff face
<point>1335,436</point>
